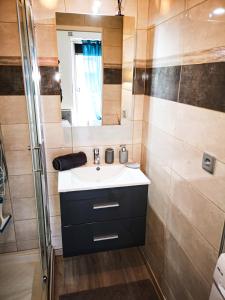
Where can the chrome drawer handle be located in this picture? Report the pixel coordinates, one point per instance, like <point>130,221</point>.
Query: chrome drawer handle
<point>105,237</point>
<point>106,205</point>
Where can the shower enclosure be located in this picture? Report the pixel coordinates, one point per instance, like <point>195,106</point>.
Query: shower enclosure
<point>31,78</point>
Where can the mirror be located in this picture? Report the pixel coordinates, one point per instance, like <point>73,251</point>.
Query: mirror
<point>90,50</point>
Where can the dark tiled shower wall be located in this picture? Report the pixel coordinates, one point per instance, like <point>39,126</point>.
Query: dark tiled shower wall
<point>201,85</point>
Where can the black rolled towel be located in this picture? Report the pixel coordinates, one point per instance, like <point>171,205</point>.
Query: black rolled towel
<point>69,161</point>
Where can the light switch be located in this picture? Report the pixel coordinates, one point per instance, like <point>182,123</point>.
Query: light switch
<point>208,163</point>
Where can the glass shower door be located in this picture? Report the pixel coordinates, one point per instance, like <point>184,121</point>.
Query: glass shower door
<point>32,92</point>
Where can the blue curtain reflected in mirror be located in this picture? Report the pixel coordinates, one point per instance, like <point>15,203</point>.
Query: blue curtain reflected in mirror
<point>92,54</point>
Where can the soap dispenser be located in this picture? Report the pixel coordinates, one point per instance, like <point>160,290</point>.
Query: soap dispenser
<point>123,154</point>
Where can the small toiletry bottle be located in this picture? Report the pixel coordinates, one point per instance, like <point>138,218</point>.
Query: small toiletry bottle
<point>109,156</point>
<point>123,154</point>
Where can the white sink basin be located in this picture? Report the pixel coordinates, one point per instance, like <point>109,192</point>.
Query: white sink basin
<point>99,177</point>
<point>98,174</point>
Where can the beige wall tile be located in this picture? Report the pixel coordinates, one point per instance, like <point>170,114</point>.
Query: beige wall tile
<point>55,224</point>
<point>21,186</point>
<point>162,10</point>
<point>128,50</point>
<point>53,153</point>
<point>205,31</point>
<point>27,245</point>
<point>57,243</point>
<point>146,109</point>
<point>24,209</point>
<point>46,40</point>
<point>185,272</point>
<point>200,212</point>
<point>187,163</point>
<point>141,44</point>
<point>112,55</point>
<point>111,120</point>
<point>8,11</point>
<point>9,46</point>
<point>159,143</point>
<point>142,18</point>
<point>112,38</point>
<point>202,128</point>
<point>97,136</point>
<point>128,26</point>
<point>137,153</point>
<point>52,183</point>
<point>54,205</point>
<point>8,247</point>
<point>51,109</point>
<point>159,190</point>
<point>163,114</point>
<point>54,135</point>
<point>161,36</point>
<point>111,108</point>
<point>19,162</point>
<point>112,92</point>
<point>130,8</point>
<point>13,110</point>
<point>15,137</point>
<point>138,107</point>
<point>137,132</point>
<point>192,242</point>
<point>26,230</point>
<point>213,186</point>
<point>81,7</point>
<point>191,3</point>
<point>127,103</point>
<point>45,13</point>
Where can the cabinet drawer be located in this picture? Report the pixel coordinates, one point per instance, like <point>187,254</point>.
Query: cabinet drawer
<point>103,205</point>
<point>102,236</point>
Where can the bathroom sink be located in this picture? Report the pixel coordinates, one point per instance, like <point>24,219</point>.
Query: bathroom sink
<point>99,173</point>
<point>99,177</point>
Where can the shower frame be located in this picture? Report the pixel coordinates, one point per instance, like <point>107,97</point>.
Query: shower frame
<point>31,76</point>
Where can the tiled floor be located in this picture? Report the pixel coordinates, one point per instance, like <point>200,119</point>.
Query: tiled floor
<point>104,269</point>
<point>18,272</point>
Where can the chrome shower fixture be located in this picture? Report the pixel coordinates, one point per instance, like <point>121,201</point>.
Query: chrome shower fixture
<point>120,8</point>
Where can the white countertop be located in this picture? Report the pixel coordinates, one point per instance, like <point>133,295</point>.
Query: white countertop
<point>109,176</point>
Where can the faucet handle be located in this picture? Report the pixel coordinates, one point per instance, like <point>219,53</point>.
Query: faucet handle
<point>96,150</point>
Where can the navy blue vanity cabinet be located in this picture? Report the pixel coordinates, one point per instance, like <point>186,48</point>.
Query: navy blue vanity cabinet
<point>104,219</point>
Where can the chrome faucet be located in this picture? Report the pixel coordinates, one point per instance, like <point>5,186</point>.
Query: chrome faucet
<point>96,156</point>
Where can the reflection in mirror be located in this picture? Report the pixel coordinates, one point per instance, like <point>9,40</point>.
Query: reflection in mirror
<point>82,52</point>
<point>90,66</point>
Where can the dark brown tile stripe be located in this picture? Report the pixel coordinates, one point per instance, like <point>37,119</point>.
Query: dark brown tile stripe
<point>163,82</point>
<point>139,76</point>
<point>112,76</point>
<point>201,85</point>
<point>11,80</point>
<point>48,85</point>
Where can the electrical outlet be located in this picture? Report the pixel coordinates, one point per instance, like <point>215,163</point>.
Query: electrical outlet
<point>208,163</point>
